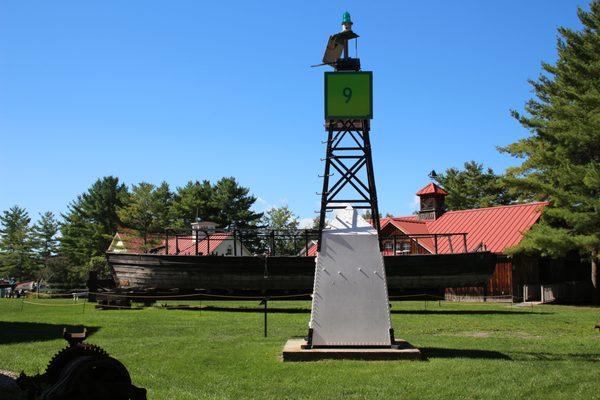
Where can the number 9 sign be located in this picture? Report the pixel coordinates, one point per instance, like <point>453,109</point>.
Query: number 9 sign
<point>349,94</point>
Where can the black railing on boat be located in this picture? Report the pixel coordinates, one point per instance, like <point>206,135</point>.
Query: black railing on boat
<point>261,241</point>
<point>435,243</point>
<point>240,241</point>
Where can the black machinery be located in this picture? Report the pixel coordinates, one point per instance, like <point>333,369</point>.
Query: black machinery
<point>81,371</point>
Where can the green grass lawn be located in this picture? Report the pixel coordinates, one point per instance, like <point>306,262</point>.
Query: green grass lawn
<point>474,351</point>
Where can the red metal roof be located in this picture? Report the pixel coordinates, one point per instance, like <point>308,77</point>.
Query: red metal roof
<point>432,188</point>
<point>134,243</point>
<point>498,228</point>
<point>187,244</point>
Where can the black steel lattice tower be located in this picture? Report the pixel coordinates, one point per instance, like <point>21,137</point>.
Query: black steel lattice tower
<point>349,165</point>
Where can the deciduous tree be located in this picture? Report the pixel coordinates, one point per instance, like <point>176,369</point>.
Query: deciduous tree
<point>147,210</point>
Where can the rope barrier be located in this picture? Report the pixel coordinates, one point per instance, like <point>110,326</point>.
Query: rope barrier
<point>223,296</point>
<point>52,305</point>
<point>179,296</point>
<point>121,307</point>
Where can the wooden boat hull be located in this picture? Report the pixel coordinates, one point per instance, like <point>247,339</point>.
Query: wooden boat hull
<point>288,274</point>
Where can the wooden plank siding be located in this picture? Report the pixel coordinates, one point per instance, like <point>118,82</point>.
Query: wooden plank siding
<point>500,285</point>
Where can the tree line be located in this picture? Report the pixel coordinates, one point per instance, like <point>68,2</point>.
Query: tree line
<point>64,249</point>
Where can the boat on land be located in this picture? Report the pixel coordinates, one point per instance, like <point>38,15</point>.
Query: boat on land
<point>259,274</point>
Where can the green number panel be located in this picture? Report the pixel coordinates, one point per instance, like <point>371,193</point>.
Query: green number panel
<point>348,95</point>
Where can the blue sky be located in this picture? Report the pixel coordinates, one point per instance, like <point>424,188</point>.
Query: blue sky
<point>180,90</point>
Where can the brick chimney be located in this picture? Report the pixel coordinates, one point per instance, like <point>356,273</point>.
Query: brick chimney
<point>433,202</point>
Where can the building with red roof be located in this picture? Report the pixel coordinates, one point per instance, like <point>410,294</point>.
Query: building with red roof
<point>202,241</point>
<point>436,230</point>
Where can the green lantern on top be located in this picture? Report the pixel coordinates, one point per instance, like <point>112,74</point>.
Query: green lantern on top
<point>346,22</point>
<point>346,18</point>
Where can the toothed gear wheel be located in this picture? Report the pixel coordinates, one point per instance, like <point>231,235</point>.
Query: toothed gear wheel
<point>68,354</point>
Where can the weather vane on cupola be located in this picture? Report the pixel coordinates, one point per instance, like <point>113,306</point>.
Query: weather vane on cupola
<point>337,44</point>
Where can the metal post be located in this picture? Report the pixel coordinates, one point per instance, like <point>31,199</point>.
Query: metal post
<point>196,233</point>
<point>465,242</point>
<point>176,243</point>
<point>395,244</point>
<point>272,235</point>
<point>485,292</point>
<point>207,243</point>
<point>234,242</point>
<point>450,243</point>
<point>305,242</point>
<point>371,178</point>
<point>265,301</point>
<point>435,243</point>
<point>166,241</point>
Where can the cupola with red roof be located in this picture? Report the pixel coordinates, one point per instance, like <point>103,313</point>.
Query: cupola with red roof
<point>433,202</point>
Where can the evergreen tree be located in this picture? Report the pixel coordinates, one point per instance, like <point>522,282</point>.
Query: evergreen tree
<point>225,203</point>
<point>231,203</point>
<point>192,201</point>
<point>44,237</point>
<point>92,220</point>
<point>473,187</point>
<point>60,271</point>
<point>16,247</point>
<point>562,153</point>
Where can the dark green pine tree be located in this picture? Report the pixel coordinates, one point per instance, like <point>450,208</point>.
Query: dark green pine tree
<point>17,258</point>
<point>562,153</point>
<point>232,203</point>
<point>92,220</point>
<point>45,238</point>
<point>473,187</point>
<point>190,202</point>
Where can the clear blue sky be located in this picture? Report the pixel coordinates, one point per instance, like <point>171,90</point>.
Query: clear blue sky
<point>180,90</point>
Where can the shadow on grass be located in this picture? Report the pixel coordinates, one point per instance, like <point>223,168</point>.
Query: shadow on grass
<point>437,352</point>
<point>470,312</point>
<point>23,332</point>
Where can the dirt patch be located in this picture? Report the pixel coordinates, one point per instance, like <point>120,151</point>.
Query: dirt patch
<point>522,335</point>
<point>474,334</point>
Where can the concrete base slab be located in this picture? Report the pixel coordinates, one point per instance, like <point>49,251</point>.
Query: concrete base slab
<point>294,351</point>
